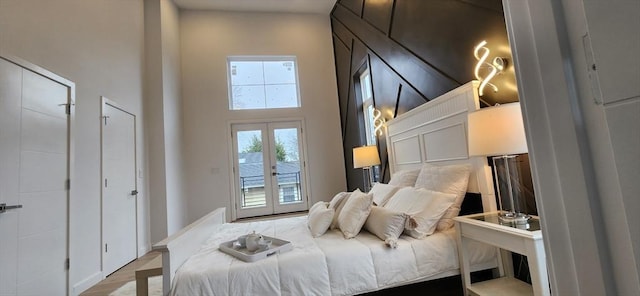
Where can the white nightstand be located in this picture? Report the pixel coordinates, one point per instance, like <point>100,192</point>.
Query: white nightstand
<point>486,228</point>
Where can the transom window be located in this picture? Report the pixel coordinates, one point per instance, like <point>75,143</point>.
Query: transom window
<point>263,82</point>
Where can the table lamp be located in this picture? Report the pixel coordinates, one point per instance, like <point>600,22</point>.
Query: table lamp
<point>499,132</point>
<point>365,157</point>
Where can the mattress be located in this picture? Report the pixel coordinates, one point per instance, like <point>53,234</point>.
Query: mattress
<point>327,265</point>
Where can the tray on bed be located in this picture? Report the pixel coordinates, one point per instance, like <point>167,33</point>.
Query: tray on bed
<point>277,246</point>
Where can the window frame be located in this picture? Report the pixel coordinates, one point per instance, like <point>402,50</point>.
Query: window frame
<point>262,58</point>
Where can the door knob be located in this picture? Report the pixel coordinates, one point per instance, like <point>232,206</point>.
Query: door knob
<point>134,192</point>
<point>4,207</point>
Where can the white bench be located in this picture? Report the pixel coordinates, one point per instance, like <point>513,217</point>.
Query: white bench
<point>152,268</point>
<point>177,248</point>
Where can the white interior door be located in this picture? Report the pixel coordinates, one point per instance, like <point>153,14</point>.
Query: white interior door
<point>119,187</point>
<point>33,173</point>
<point>269,168</point>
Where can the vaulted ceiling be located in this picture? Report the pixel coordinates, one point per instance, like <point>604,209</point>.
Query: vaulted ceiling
<point>294,6</point>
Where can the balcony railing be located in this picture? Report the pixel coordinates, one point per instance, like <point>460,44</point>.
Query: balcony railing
<point>253,195</point>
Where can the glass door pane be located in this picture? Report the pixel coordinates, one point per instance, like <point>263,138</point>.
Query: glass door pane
<point>288,172</point>
<point>288,165</point>
<point>253,190</point>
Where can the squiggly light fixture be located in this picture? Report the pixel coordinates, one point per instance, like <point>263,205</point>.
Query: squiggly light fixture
<point>496,66</point>
<point>378,122</point>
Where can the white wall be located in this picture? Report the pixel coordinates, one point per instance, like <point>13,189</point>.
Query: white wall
<point>207,38</point>
<point>173,127</point>
<point>164,121</point>
<point>98,45</point>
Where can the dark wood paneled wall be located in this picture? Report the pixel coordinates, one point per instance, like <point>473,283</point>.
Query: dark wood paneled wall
<point>416,50</point>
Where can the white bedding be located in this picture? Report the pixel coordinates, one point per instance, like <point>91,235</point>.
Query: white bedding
<point>327,265</point>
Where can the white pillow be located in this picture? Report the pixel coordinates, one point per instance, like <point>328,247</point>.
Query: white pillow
<point>386,224</point>
<point>318,205</point>
<point>424,208</point>
<point>404,178</point>
<point>448,179</point>
<point>337,203</point>
<point>354,213</point>
<point>320,218</point>
<point>382,192</point>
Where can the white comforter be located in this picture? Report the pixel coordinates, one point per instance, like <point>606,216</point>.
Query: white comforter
<point>328,265</point>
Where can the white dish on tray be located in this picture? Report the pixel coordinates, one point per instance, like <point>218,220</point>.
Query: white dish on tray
<point>277,246</point>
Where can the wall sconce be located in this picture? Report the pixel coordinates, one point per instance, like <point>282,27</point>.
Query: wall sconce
<point>496,66</point>
<point>378,122</point>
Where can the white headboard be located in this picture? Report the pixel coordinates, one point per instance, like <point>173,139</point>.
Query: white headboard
<point>436,133</point>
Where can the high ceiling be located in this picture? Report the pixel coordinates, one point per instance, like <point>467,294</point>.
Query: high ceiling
<point>295,6</point>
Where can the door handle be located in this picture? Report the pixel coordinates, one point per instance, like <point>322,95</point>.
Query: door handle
<point>4,207</point>
<point>134,192</point>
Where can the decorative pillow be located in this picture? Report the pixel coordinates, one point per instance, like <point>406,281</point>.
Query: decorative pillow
<point>320,218</point>
<point>337,203</point>
<point>382,192</point>
<point>318,205</point>
<point>404,178</point>
<point>423,207</point>
<point>386,224</point>
<point>448,179</point>
<point>354,213</point>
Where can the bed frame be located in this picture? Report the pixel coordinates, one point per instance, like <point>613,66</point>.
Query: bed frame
<point>434,133</point>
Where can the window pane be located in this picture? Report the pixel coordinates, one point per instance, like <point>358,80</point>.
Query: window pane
<point>279,72</point>
<point>248,97</point>
<point>367,86</point>
<point>246,73</point>
<point>370,127</point>
<point>251,169</point>
<point>288,163</point>
<point>263,83</point>
<point>281,96</point>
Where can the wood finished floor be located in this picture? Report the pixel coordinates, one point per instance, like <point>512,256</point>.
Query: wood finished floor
<point>119,278</point>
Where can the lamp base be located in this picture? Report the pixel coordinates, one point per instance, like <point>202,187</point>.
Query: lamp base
<point>513,218</point>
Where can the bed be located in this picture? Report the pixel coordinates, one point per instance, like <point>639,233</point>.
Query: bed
<point>433,133</point>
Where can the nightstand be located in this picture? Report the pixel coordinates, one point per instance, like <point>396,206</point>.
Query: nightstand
<point>524,239</point>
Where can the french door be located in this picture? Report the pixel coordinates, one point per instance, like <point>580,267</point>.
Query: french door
<point>269,168</point>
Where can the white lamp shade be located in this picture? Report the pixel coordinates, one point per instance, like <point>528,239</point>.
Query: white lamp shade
<point>365,156</point>
<point>497,130</point>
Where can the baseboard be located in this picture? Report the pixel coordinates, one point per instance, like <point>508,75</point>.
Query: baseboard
<point>87,283</point>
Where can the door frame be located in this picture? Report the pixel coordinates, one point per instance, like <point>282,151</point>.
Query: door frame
<point>104,101</point>
<point>571,217</point>
<point>266,171</point>
<point>233,182</point>
<point>71,93</point>
<point>275,189</point>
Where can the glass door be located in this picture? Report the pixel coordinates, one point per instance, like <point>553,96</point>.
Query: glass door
<point>269,168</point>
